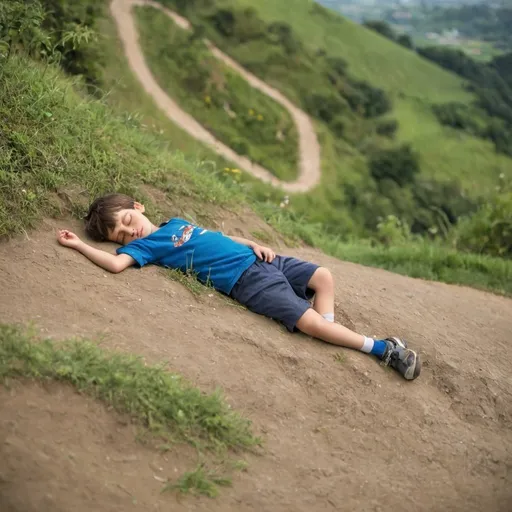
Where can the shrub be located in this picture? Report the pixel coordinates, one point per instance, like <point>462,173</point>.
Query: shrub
<point>456,115</point>
<point>381,27</point>
<point>387,128</point>
<point>367,100</point>
<point>398,164</point>
<point>490,229</point>
<point>223,20</point>
<point>405,40</point>
<point>324,106</point>
<point>501,134</point>
<point>281,33</point>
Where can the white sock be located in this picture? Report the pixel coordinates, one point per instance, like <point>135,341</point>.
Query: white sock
<point>329,317</point>
<point>368,345</point>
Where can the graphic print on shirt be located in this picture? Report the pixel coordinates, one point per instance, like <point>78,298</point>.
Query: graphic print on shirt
<point>186,235</point>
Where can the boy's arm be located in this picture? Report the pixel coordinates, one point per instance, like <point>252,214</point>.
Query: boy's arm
<point>242,241</point>
<point>114,263</point>
<point>263,253</point>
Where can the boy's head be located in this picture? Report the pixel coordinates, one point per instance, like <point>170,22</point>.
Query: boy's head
<point>118,218</point>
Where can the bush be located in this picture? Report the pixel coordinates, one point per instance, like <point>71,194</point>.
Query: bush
<point>381,27</point>
<point>456,115</point>
<point>393,231</point>
<point>405,40</point>
<point>367,100</point>
<point>71,25</point>
<point>281,33</point>
<point>398,164</point>
<point>223,20</point>
<point>501,134</point>
<point>387,128</point>
<point>489,231</point>
<point>325,106</point>
<point>55,30</point>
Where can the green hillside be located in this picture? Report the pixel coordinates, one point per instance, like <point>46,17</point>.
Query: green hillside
<point>57,143</point>
<point>242,117</point>
<point>413,83</point>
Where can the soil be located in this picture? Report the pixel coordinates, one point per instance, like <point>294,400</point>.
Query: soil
<point>340,433</point>
<point>309,148</point>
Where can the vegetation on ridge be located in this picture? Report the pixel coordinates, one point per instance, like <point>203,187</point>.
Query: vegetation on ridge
<point>245,119</point>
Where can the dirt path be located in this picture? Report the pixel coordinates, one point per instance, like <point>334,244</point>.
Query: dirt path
<point>309,149</point>
<point>339,435</point>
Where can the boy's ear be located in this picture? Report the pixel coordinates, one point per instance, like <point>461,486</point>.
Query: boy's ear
<point>139,207</point>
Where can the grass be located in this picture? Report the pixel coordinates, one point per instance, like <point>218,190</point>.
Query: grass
<point>200,481</point>
<point>432,262</point>
<point>242,117</point>
<point>53,139</point>
<point>84,147</point>
<point>413,83</point>
<point>188,280</point>
<point>162,402</point>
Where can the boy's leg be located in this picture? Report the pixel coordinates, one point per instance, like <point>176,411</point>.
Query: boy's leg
<point>323,285</point>
<point>312,323</point>
<point>392,351</point>
<point>308,280</point>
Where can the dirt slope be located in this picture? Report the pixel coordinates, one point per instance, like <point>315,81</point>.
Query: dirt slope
<point>309,149</point>
<point>338,435</point>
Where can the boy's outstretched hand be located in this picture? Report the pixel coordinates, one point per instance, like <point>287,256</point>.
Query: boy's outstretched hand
<point>264,253</point>
<point>68,239</point>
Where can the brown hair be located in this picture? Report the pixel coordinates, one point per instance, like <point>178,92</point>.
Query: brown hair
<point>101,217</point>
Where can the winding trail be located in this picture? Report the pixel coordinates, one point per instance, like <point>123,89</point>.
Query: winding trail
<point>309,148</point>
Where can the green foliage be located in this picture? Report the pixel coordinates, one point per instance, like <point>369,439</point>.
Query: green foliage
<point>367,100</point>
<point>387,128</point>
<point>405,40</point>
<point>503,65</point>
<point>456,115</point>
<point>242,117</point>
<point>476,21</point>
<point>57,31</point>
<point>52,138</point>
<point>493,92</point>
<point>494,96</point>
<point>393,231</point>
<point>501,134</point>
<point>200,482</point>
<point>384,29</point>
<point>398,164</point>
<point>489,230</point>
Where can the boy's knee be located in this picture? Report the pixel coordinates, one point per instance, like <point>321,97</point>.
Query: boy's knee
<point>321,279</point>
<point>310,322</point>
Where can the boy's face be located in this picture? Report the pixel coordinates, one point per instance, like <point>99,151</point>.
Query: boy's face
<point>130,225</point>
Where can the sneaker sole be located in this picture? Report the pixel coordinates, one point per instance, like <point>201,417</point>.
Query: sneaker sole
<point>414,370</point>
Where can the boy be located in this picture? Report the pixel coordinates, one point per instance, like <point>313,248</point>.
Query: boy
<point>275,286</point>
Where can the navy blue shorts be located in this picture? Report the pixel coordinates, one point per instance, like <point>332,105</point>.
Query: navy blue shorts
<point>278,290</point>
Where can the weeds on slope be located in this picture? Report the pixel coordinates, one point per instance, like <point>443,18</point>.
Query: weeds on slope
<point>163,402</point>
<point>245,119</point>
<point>51,138</point>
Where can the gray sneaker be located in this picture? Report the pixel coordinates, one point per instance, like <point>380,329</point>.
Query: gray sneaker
<point>404,360</point>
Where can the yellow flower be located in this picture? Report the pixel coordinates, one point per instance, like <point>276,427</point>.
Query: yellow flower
<point>207,100</point>
<point>260,117</point>
<point>236,171</point>
<point>251,112</point>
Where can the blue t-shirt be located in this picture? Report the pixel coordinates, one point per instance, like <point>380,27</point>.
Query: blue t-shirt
<point>213,257</point>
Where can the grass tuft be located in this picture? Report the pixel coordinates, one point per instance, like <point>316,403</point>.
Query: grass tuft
<point>201,481</point>
<point>161,401</point>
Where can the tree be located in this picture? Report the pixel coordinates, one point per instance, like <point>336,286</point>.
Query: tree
<point>383,28</point>
<point>398,164</point>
